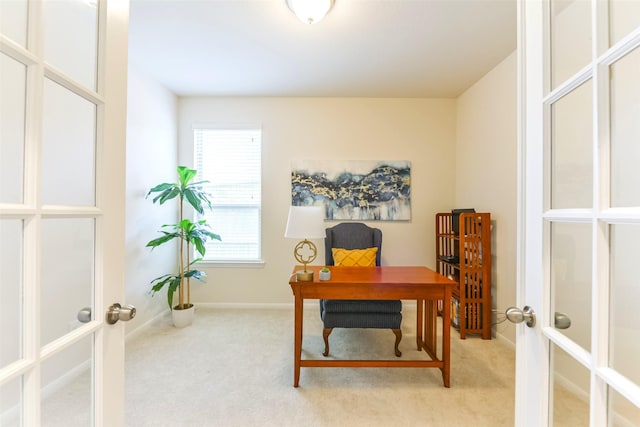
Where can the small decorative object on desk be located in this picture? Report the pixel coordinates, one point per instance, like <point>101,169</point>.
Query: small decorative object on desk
<point>325,274</point>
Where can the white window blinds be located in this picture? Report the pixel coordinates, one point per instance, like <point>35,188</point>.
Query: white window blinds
<point>231,161</point>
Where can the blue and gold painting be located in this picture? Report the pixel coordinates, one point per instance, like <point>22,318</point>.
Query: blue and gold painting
<point>362,190</point>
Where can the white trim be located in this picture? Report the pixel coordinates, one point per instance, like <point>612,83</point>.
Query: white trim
<point>66,379</point>
<point>14,370</point>
<point>532,353</point>
<point>569,215</point>
<point>247,305</point>
<point>31,407</point>
<point>64,80</point>
<point>621,48</point>
<point>506,341</point>
<point>70,211</point>
<point>225,126</point>
<point>68,339</point>
<point>620,215</point>
<point>569,85</point>
<point>572,387</point>
<point>519,346</point>
<point>139,330</point>
<point>621,384</point>
<point>17,52</point>
<point>16,211</point>
<point>578,353</point>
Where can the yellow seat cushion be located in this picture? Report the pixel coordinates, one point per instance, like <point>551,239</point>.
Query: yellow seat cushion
<point>354,257</point>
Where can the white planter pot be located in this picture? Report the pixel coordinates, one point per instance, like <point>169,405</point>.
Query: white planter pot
<point>325,275</point>
<point>182,318</point>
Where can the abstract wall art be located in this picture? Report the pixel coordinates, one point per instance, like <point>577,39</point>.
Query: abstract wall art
<point>362,190</point>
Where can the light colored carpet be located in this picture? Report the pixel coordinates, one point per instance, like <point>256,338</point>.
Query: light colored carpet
<point>234,367</point>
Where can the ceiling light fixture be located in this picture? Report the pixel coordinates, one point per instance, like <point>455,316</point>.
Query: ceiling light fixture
<point>310,11</point>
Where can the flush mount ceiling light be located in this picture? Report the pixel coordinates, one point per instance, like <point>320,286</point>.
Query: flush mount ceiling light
<point>310,11</point>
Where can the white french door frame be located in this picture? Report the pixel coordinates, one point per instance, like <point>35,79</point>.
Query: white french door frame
<point>531,349</point>
<point>108,214</point>
<point>535,216</point>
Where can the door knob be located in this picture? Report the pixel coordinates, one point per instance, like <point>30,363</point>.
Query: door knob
<point>562,321</point>
<point>117,312</point>
<point>84,315</point>
<point>516,315</point>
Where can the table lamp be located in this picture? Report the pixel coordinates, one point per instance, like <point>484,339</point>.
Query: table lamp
<point>305,222</point>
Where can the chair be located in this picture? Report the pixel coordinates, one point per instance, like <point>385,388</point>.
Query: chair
<point>379,314</point>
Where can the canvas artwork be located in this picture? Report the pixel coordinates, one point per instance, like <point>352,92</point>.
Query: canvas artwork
<point>355,189</point>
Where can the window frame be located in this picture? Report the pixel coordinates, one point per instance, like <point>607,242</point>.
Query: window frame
<point>247,262</point>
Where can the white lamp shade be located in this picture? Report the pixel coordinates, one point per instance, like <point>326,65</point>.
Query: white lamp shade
<point>305,222</point>
<point>310,11</point>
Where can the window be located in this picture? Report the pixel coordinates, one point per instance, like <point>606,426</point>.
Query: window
<point>230,159</point>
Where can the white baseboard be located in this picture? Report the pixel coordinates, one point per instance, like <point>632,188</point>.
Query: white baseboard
<point>506,341</point>
<point>245,305</point>
<point>135,333</point>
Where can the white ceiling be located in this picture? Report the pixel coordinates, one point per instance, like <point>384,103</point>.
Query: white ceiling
<point>363,48</point>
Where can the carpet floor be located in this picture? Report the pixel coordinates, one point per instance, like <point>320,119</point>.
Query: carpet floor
<point>234,367</point>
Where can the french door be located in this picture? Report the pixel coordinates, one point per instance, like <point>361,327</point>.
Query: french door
<point>63,69</point>
<point>579,68</point>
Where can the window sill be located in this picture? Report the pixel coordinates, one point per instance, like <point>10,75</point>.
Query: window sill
<point>232,264</point>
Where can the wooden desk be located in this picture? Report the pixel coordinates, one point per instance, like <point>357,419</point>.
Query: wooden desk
<point>404,283</point>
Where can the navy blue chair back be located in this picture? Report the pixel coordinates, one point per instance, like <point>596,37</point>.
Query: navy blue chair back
<point>352,235</point>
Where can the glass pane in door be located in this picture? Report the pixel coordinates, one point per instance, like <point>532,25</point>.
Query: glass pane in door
<point>624,17</point>
<point>68,147</point>
<point>11,290</point>
<point>71,38</point>
<point>67,274</point>
<point>572,150</point>
<point>624,328</point>
<point>569,390</point>
<point>570,38</point>
<point>571,266</point>
<point>11,403</point>
<point>67,386</point>
<point>13,20</point>
<point>625,130</point>
<point>622,413</point>
<point>13,86</point>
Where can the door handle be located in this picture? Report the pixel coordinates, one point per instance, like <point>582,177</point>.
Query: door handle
<point>517,315</point>
<point>117,312</point>
<point>561,321</point>
<point>84,315</point>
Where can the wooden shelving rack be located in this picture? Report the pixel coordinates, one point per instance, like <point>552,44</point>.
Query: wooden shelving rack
<point>466,257</point>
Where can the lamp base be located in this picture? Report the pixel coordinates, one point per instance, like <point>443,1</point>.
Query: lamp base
<point>304,276</point>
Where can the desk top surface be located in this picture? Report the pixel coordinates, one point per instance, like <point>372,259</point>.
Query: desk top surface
<point>406,275</point>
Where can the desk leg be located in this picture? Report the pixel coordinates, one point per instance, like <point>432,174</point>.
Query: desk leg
<point>297,340</point>
<point>419,323</point>
<point>446,336</point>
<point>431,323</point>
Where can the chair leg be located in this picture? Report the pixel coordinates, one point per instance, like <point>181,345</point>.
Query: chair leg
<point>325,335</point>
<point>398,333</point>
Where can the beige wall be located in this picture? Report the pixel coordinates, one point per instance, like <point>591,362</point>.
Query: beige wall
<point>486,171</point>
<point>151,159</point>
<point>463,153</point>
<point>419,130</point>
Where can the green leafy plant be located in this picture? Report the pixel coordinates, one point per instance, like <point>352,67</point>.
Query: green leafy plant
<point>325,270</point>
<point>188,233</point>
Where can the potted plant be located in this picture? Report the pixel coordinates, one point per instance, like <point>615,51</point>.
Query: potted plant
<point>189,234</point>
<point>325,273</point>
